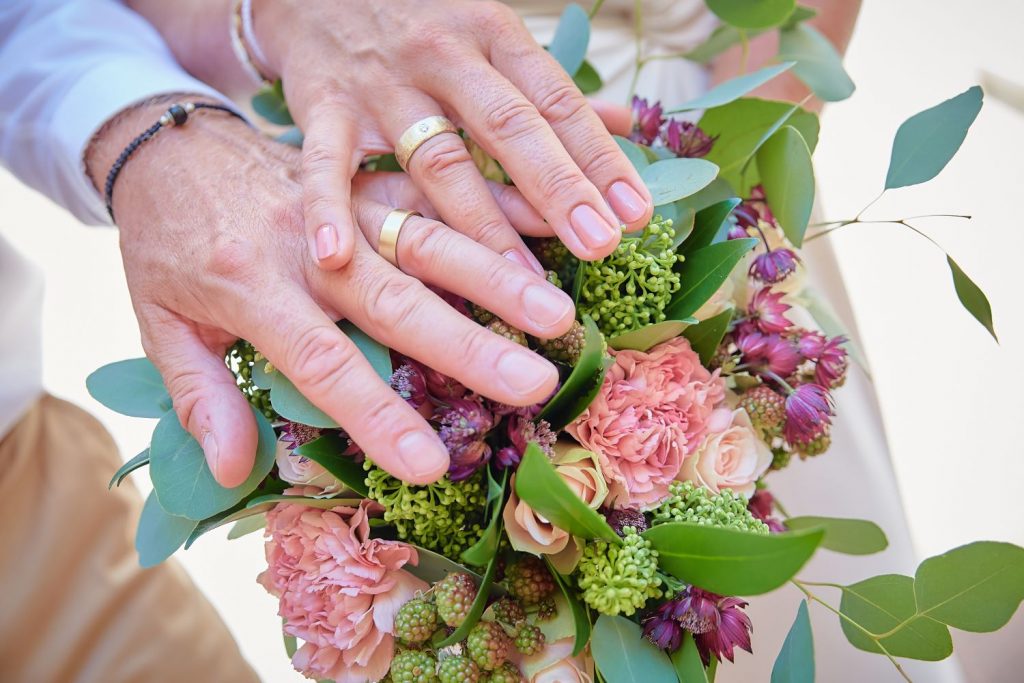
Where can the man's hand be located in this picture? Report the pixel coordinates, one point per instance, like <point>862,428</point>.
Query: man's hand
<point>212,239</point>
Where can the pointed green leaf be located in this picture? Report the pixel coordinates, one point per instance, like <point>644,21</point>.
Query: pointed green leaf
<point>795,663</point>
<point>238,512</point>
<point>633,152</point>
<point>587,79</point>
<point>926,141</point>
<point>882,603</point>
<point>259,502</point>
<point>787,174</point>
<point>976,587</point>
<point>328,452</point>
<point>752,14</point>
<point>580,618</point>
<point>731,562</point>
<point>623,655</point>
<point>672,179</point>
<point>705,336</point>
<point>686,660</point>
<point>542,488</point>
<point>849,536</point>
<point>650,336</point>
<point>799,15</point>
<point>481,552</point>
<point>569,46</point>
<point>710,225</point>
<point>583,382</point>
<point>733,89</point>
<point>159,534</point>
<point>131,387</point>
<point>140,460</point>
<point>971,296</point>
<point>432,567</point>
<point>720,40</point>
<point>270,104</point>
<point>682,220</point>
<point>818,64</point>
<point>703,273</point>
<point>291,645</point>
<point>248,525</point>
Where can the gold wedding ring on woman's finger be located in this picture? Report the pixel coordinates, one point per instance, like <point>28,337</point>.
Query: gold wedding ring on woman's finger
<point>387,243</point>
<point>418,133</point>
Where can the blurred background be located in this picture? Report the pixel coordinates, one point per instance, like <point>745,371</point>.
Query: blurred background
<point>947,391</point>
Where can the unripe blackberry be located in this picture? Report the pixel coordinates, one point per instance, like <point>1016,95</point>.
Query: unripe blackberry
<point>413,666</point>
<point>488,645</point>
<point>780,458</point>
<point>508,611</point>
<point>815,446</point>
<point>547,609</point>
<point>481,314</point>
<point>459,669</point>
<point>529,580</point>
<point>553,278</point>
<point>506,673</point>
<point>454,595</point>
<point>766,408</point>
<point>416,621</point>
<point>567,348</point>
<point>529,639</point>
<point>503,329</point>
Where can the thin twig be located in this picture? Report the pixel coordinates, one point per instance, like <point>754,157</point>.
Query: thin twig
<point>597,6</point>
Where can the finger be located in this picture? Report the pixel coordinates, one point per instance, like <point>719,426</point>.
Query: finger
<point>400,312</point>
<point>540,78</point>
<point>205,395</point>
<point>433,253</point>
<point>444,171</point>
<point>328,164</point>
<point>616,118</point>
<point>329,370</point>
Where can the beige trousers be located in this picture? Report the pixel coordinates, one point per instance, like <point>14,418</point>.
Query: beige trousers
<point>75,607</point>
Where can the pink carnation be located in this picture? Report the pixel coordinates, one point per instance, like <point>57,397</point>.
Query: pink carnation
<point>651,413</point>
<point>339,589</point>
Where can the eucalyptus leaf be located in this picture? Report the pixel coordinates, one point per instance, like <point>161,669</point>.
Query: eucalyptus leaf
<point>159,534</point>
<point>784,162</point>
<point>131,387</point>
<point>799,15</point>
<point>328,451</point>
<point>971,296</point>
<point>717,191</point>
<point>705,336</point>
<point>818,64</point>
<point>720,40</point>
<point>376,353</point>
<point>140,460</point>
<point>795,663</point>
<point>248,525</point>
<point>292,137</point>
<point>260,377</point>
<point>703,273</point>
<point>926,141</point>
<point>731,562</point>
<point>848,536</point>
<point>735,88</point>
<point>650,336</point>
<point>291,644</point>
<point>752,14</point>
<point>587,79</point>
<point>538,485</point>
<point>623,655</point>
<point>259,502</point>
<point>583,382</point>
<point>569,46</point>
<point>432,567</point>
<point>633,152</point>
<point>580,617</point>
<point>671,179</point>
<point>270,104</point>
<point>481,552</point>
<point>710,225</point>
<point>479,605</point>
<point>687,662</point>
<point>883,603</point>
<point>183,480</point>
<point>682,221</point>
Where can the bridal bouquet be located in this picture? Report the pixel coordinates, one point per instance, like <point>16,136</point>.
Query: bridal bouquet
<point>615,531</point>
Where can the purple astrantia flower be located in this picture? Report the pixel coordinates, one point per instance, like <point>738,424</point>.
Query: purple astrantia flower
<point>685,139</point>
<point>833,361</point>
<point>408,382</point>
<point>761,506</point>
<point>620,518</point>
<point>647,120</point>
<point>696,610</point>
<point>521,431</point>
<point>774,265</point>
<point>810,343</point>
<point>732,631</point>
<point>768,312</point>
<point>465,423</point>
<point>769,352</point>
<point>809,411</point>
<point>663,630</point>
<point>746,216</point>
<point>442,388</point>
<point>295,434</point>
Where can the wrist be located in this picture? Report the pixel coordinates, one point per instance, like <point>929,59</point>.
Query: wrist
<point>271,21</point>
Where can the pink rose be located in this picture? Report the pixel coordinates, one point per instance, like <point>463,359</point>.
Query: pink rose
<point>650,414</point>
<point>295,469</point>
<point>338,588</point>
<point>731,457</point>
<point>531,533</point>
<point>555,664</point>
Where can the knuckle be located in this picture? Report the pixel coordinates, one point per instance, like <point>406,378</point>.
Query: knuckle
<point>473,348</point>
<point>187,389</point>
<point>514,118</point>
<point>491,14</point>
<point>491,231</point>
<point>444,158</point>
<point>317,157</point>
<point>319,357</point>
<point>378,416</point>
<point>599,157</point>
<point>393,301</point>
<point>429,247</point>
<point>232,257</point>
<point>563,103</point>
<point>560,184</point>
<point>436,39</point>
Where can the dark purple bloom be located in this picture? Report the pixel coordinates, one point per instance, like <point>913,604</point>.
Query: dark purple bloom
<point>746,216</point>
<point>442,388</point>
<point>810,343</point>
<point>686,139</point>
<point>774,266</point>
<point>761,506</point>
<point>521,431</point>
<point>663,630</point>
<point>618,519</point>
<point>833,361</point>
<point>465,423</point>
<point>408,382</point>
<point>696,610</point>
<point>732,631</point>
<point>647,120</point>
<point>768,312</point>
<point>296,434</point>
<point>769,352</point>
<point>718,623</point>
<point>507,457</point>
<point>809,411</point>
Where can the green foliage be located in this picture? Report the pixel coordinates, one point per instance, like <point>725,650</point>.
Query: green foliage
<point>481,552</point>
<point>587,79</point>
<point>972,297</point>
<point>694,504</point>
<point>795,663</point>
<point>752,14</point>
<point>687,663</point>
<point>731,562</point>
<point>569,46</point>
<point>710,225</point>
<point>131,387</point>
<point>818,64</point>
<point>270,104</point>
<point>432,567</point>
<point>784,162</point>
<point>623,655</point>
<point>848,536</point>
<point>580,617</point>
<point>703,273</point>
<point>633,152</point>
<point>733,89</point>
<point>328,452</point>
<point>720,40</point>
<point>159,534</point>
<point>926,141</point>
<point>140,460</point>
<point>672,179</point>
<point>248,525</point>
<point>583,383</point>
<point>705,336</point>
<point>540,487</point>
<point>650,336</point>
<point>183,480</point>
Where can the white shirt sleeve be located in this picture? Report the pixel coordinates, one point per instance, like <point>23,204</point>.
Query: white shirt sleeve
<point>66,66</point>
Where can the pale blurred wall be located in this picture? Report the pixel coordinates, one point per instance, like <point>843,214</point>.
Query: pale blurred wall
<point>949,394</point>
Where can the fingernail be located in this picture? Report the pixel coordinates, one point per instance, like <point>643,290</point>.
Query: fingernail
<point>529,262</point>
<point>626,202</point>
<point>593,231</point>
<point>326,242</point>
<point>546,306</point>
<point>524,371</point>
<point>212,453</point>
<point>422,454</point>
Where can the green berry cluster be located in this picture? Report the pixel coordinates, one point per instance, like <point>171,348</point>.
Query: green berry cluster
<point>416,621</point>
<point>767,410</point>
<point>413,666</point>
<point>459,669</point>
<point>454,596</point>
<point>816,446</point>
<point>633,285</point>
<point>444,516</point>
<point>240,359</point>
<point>619,579</point>
<point>529,580</point>
<point>698,505</point>
<point>556,257</point>
<point>567,348</point>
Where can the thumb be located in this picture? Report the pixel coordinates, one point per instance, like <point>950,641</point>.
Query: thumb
<point>327,170</point>
<point>205,396</point>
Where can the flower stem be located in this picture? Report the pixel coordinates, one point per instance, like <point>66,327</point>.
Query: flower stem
<point>596,8</point>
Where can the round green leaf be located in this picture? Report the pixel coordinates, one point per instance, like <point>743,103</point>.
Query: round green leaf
<point>569,46</point>
<point>784,162</point>
<point>733,89</point>
<point>752,14</point>
<point>849,536</point>
<point>270,104</point>
<point>633,152</point>
<point>731,562</point>
<point>818,64</point>
<point>159,534</point>
<point>795,663</point>
<point>623,655</point>
<point>587,79</point>
<point>183,480</point>
<point>248,525</point>
<point>671,179</point>
<point>703,273</point>
<point>131,387</point>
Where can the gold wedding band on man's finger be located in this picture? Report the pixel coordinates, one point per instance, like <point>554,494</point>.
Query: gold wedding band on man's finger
<point>415,135</point>
<point>387,243</point>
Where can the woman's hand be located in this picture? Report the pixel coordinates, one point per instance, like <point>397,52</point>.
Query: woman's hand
<point>211,235</point>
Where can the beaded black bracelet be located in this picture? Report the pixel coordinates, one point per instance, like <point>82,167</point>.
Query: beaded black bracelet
<point>176,115</point>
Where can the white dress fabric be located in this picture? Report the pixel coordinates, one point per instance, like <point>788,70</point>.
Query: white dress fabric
<point>855,477</point>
